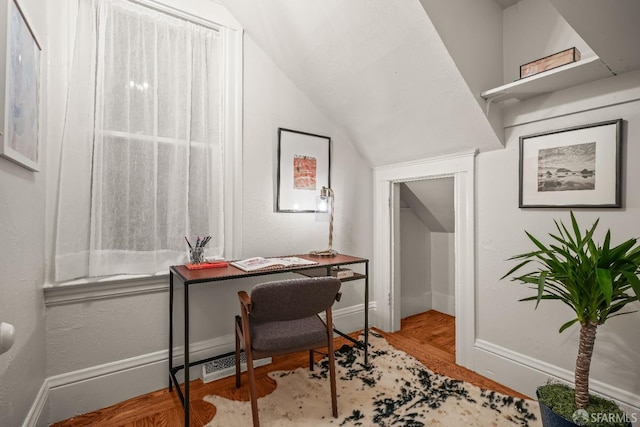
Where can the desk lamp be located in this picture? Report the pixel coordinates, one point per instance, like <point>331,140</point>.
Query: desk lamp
<point>326,199</point>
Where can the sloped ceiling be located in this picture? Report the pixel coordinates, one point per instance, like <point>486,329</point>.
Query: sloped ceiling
<point>432,202</point>
<point>611,28</point>
<point>376,68</point>
<point>403,78</point>
<point>506,3</point>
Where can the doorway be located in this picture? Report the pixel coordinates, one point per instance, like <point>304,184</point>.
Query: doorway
<point>387,264</point>
<point>426,218</point>
<point>425,228</point>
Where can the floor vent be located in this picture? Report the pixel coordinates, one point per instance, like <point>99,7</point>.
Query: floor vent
<point>226,366</point>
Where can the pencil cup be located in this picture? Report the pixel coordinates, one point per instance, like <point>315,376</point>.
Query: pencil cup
<point>196,255</point>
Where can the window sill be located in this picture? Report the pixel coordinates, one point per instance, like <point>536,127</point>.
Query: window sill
<point>96,289</point>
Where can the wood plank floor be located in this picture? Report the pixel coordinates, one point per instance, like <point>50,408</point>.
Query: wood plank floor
<point>429,337</point>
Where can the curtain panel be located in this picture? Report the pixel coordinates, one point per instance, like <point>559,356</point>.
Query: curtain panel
<point>142,154</point>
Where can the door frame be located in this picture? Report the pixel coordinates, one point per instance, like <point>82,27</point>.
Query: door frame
<point>460,166</point>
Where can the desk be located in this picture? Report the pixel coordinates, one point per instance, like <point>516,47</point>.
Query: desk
<point>193,277</point>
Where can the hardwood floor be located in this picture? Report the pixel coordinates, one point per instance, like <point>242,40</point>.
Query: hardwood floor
<point>429,337</point>
<point>434,329</point>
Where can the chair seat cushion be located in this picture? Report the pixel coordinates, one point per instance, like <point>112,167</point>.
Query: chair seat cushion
<point>291,335</point>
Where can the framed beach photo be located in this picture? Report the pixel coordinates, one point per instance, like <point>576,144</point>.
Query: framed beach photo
<point>20,118</point>
<point>575,167</point>
<point>304,167</point>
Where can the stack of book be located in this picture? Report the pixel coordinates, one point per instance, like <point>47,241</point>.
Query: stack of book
<point>341,272</point>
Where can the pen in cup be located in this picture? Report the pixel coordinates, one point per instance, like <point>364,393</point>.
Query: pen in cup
<point>196,252</point>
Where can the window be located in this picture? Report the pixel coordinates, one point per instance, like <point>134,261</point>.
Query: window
<point>148,139</point>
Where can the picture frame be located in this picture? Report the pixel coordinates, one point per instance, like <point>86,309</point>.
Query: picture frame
<point>21,89</point>
<point>304,167</point>
<point>576,167</point>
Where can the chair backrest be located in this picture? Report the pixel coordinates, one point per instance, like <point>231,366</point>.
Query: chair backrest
<point>293,298</point>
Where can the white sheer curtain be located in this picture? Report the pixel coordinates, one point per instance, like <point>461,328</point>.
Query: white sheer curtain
<point>142,156</point>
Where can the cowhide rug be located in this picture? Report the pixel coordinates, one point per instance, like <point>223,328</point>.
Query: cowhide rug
<point>394,390</point>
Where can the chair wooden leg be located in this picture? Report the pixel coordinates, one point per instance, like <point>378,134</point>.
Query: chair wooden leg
<point>311,360</point>
<point>238,380</point>
<point>332,366</point>
<point>252,388</point>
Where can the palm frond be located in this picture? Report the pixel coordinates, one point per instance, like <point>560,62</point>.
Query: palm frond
<point>634,282</point>
<point>626,312</point>
<point>566,325</point>
<point>592,280</point>
<point>606,286</point>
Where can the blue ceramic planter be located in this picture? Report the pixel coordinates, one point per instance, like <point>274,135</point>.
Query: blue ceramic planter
<point>551,419</point>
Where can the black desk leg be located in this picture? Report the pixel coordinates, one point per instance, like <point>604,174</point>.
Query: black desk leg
<point>366,313</point>
<point>186,356</point>
<point>170,329</point>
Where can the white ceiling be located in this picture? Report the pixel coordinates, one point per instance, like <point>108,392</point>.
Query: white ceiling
<point>506,3</point>
<point>376,68</point>
<point>432,201</point>
<point>404,86</point>
<point>610,28</point>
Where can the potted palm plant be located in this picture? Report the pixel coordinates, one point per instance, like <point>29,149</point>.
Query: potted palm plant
<point>596,282</point>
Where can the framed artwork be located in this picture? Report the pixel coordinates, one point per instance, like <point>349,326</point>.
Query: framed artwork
<point>21,95</point>
<point>574,168</point>
<point>304,167</point>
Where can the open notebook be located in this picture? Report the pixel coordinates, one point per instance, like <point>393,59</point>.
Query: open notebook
<point>260,263</point>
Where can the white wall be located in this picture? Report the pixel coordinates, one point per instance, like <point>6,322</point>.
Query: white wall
<point>511,334</point>
<point>427,262</point>
<point>415,265</point>
<point>515,344</point>
<point>472,34</point>
<point>443,272</point>
<point>22,201</point>
<point>533,29</point>
<point>109,335</point>
<point>272,101</point>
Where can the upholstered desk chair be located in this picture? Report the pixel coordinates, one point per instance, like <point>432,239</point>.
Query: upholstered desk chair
<point>281,317</point>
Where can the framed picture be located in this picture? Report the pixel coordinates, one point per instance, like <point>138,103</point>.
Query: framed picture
<point>573,168</point>
<point>304,167</point>
<point>21,91</point>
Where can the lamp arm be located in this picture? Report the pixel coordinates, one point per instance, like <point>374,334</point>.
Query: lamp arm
<point>331,196</point>
<point>327,193</point>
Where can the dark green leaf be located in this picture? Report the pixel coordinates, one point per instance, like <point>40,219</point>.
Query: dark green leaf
<point>606,286</point>
<point>620,314</point>
<point>537,243</point>
<point>516,268</point>
<point>541,282</point>
<point>633,281</point>
<point>576,229</point>
<point>566,325</point>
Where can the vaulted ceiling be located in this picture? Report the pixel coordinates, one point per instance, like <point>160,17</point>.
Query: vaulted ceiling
<point>377,68</point>
<point>402,77</point>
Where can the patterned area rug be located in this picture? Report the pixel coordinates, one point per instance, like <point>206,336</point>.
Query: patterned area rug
<point>394,390</point>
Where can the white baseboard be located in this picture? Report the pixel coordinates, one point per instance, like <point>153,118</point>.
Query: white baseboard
<point>414,304</point>
<point>90,389</point>
<point>524,374</point>
<point>37,416</point>
<point>443,303</point>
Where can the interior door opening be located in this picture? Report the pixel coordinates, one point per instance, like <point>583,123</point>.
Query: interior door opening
<point>424,260</point>
<point>460,167</point>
